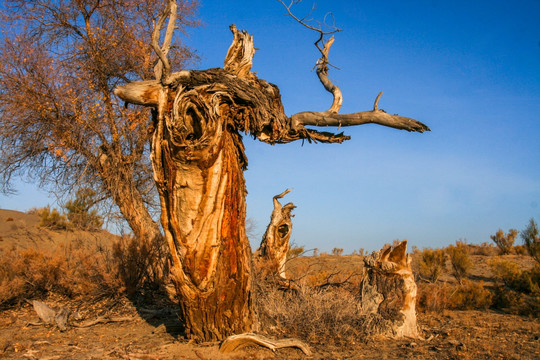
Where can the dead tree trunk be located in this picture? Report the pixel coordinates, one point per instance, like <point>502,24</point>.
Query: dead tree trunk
<point>198,160</point>
<point>275,243</point>
<point>388,291</point>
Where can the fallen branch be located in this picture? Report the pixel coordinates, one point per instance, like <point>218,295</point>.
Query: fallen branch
<point>103,320</point>
<point>235,342</point>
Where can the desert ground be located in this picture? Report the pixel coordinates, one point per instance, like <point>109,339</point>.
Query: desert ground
<point>146,325</point>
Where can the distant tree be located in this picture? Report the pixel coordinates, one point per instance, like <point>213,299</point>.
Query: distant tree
<point>532,240</point>
<point>505,242</point>
<point>337,251</point>
<point>60,124</point>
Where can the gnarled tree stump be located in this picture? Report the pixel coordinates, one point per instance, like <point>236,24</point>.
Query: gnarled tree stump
<point>198,161</point>
<point>388,290</point>
<point>275,242</point>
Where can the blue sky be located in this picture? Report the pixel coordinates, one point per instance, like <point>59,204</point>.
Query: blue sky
<point>468,69</point>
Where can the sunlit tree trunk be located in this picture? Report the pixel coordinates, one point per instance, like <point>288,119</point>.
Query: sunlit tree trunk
<point>198,170</point>
<point>198,161</point>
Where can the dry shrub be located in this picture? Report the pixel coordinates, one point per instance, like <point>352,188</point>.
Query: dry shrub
<point>73,271</point>
<point>295,251</point>
<point>141,264</point>
<point>470,295</point>
<point>466,296</point>
<point>327,317</point>
<point>505,242</point>
<point>519,290</point>
<point>460,260</point>
<point>432,264</point>
<point>484,249</point>
<point>80,269</point>
<point>433,297</point>
<point>531,240</point>
<point>52,219</point>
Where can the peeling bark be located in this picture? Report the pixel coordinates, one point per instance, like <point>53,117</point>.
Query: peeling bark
<point>389,291</point>
<point>275,243</point>
<point>198,160</point>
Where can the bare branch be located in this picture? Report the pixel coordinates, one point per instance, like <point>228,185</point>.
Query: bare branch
<point>323,62</point>
<point>162,69</point>
<point>380,117</point>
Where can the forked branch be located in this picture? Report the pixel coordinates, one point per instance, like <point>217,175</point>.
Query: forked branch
<point>323,62</point>
<point>162,70</point>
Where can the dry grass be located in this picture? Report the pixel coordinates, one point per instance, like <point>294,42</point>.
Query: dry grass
<point>77,269</point>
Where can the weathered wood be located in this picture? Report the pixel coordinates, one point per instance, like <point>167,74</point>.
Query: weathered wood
<point>198,161</point>
<point>236,342</point>
<point>389,291</point>
<point>275,242</point>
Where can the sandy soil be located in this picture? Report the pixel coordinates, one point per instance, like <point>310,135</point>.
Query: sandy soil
<point>150,328</point>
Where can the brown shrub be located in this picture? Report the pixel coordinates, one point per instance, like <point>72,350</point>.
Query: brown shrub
<point>466,296</point>
<point>140,264</point>
<point>432,264</point>
<point>470,295</point>
<point>52,219</point>
<point>505,242</point>
<point>484,249</point>
<point>531,240</point>
<point>77,270</point>
<point>433,297</point>
<point>460,260</point>
<point>519,291</point>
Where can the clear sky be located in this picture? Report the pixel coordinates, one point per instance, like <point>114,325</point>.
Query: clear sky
<point>470,70</point>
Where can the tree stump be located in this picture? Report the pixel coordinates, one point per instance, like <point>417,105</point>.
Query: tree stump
<point>388,291</point>
<point>275,243</point>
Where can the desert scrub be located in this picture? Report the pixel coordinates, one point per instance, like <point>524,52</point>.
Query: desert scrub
<point>52,219</point>
<point>460,260</point>
<point>330,316</point>
<point>432,264</point>
<point>518,290</point>
<point>78,269</point>
<point>531,240</point>
<point>79,212</point>
<point>465,296</point>
<point>470,295</point>
<point>505,242</point>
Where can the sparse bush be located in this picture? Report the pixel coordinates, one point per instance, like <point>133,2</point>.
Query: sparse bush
<point>140,263</point>
<point>433,297</point>
<point>531,240</point>
<point>520,290</point>
<point>52,219</point>
<point>466,296</point>
<point>432,263</point>
<point>316,252</point>
<point>330,316</point>
<point>79,211</point>
<point>460,260</point>
<point>80,269</point>
<point>295,251</point>
<point>471,295</point>
<point>505,242</point>
<point>484,249</point>
<point>337,251</point>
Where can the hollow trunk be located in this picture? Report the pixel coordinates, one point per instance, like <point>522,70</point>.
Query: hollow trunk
<point>198,167</point>
<point>275,243</point>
